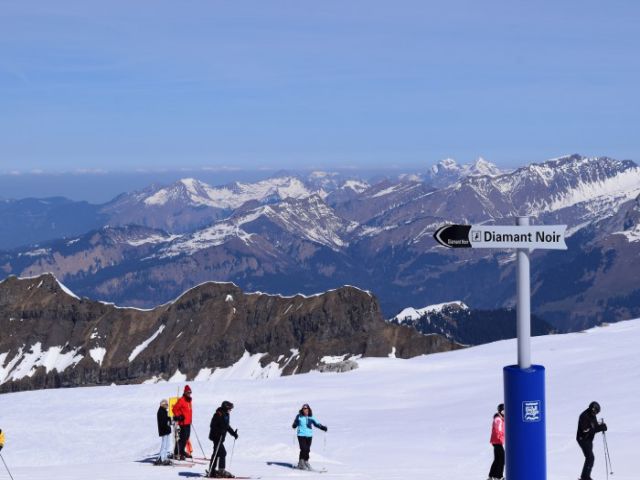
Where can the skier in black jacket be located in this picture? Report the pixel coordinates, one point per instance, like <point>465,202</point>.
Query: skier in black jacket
<point>588,426</point>
<point>164,431</point>
<point>218,429</point>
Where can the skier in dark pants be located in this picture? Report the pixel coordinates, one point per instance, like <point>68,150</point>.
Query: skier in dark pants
<point>218,429</point>
<point>304,422</point>
<point>183,414</point>
<point>588,426</point>
<point>497,440</point>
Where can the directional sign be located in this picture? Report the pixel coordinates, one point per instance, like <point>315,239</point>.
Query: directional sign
<point>547,237</point>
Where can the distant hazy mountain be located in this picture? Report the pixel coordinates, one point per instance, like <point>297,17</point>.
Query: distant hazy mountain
<point>34,220</point>
<point>189,204</point>
<point>448,171</point>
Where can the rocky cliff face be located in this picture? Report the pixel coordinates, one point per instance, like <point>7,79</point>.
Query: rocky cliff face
<point>51,338</point>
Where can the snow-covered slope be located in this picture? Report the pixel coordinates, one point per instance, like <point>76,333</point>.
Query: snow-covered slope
<point>425,418</point>
<point>411,313</point>
<point>309,218</point>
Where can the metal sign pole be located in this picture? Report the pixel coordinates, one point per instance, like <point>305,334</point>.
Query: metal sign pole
<point>524,391</point>
<point>524,303</point>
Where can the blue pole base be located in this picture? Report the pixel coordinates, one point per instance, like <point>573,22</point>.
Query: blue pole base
<point>525,420</point>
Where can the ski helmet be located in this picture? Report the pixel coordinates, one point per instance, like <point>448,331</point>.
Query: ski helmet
<point>226,405</point>
<point>594,407</point>
<point>501,408</point>
<point>164,403</point>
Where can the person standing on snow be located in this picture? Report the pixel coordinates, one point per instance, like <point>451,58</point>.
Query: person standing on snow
<point>164,431</point>
<point>304,422</point>
<point>218,429</point>
<point>183,414</point>
<point>588,426</point>
<point>497,440</point>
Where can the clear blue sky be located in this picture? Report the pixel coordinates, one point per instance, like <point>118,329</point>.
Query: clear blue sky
<point>158,84</point>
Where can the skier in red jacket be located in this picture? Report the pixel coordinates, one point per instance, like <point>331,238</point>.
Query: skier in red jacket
<point>497,440</point>
<point>183,413</point>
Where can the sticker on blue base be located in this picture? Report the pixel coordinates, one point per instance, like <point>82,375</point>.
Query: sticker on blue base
<point>531,411</point>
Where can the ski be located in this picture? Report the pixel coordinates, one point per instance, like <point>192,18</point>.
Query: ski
<point>241,478</point>
<point>174,464</point>
<point>295,467</point>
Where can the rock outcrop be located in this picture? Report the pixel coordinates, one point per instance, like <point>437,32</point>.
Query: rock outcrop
<point>50,338</point>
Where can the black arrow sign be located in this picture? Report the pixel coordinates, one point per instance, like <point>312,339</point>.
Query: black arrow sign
<point>453,236</point>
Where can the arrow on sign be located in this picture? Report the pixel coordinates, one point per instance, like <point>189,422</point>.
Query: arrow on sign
<point>453,236</point>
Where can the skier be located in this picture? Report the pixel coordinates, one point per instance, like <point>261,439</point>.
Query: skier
<point>588,426</point>
<point>304,422</point>
<point>164,431</point>
<point>1,440</point>
<point>218,429</point>
<point>183,413</point>
<point>497,440</point>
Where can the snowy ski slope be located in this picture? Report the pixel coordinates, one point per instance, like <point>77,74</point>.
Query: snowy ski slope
<point>425,418</point>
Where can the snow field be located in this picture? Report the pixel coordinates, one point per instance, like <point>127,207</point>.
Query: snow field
<point>424,418</point>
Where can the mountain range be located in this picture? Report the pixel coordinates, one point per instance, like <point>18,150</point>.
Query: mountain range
<point>292,234</point>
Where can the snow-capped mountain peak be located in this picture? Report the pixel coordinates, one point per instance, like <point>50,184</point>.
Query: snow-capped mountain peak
<point>445,165</point>
<point>186,190</point>
<point>355,185</point>
<point>446,172</point>
<point>411,314</point>
<point>484,167</point>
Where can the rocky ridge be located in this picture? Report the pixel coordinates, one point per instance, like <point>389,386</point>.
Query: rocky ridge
<point>51,338</point>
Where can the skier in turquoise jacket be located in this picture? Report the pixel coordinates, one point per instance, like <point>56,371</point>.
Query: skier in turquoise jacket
<point>305,422</point>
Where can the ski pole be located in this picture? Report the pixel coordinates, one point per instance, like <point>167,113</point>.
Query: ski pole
<point>606,466</point>
<point>232,450</point>
<point>5,466</point>
<point>607,455</point>
<point>215,455</point>
<point>200,444</point>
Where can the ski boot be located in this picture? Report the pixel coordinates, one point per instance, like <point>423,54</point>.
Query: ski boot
<point>301,465</point>
<point>307,465</point>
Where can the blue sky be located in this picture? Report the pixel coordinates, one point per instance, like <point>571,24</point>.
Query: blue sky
<point>121,85</point>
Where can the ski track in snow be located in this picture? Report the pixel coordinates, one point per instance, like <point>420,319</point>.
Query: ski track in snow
<point>424,418</point>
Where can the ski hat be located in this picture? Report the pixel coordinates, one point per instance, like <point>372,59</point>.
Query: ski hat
<point>594,407</point>
<point>187,389</point>
<point>501,407</point>
<point>226,405</point>
<point>306,405</point>
<point>164,403</point>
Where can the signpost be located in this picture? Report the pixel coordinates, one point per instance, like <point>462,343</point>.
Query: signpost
<point>524,393</point>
